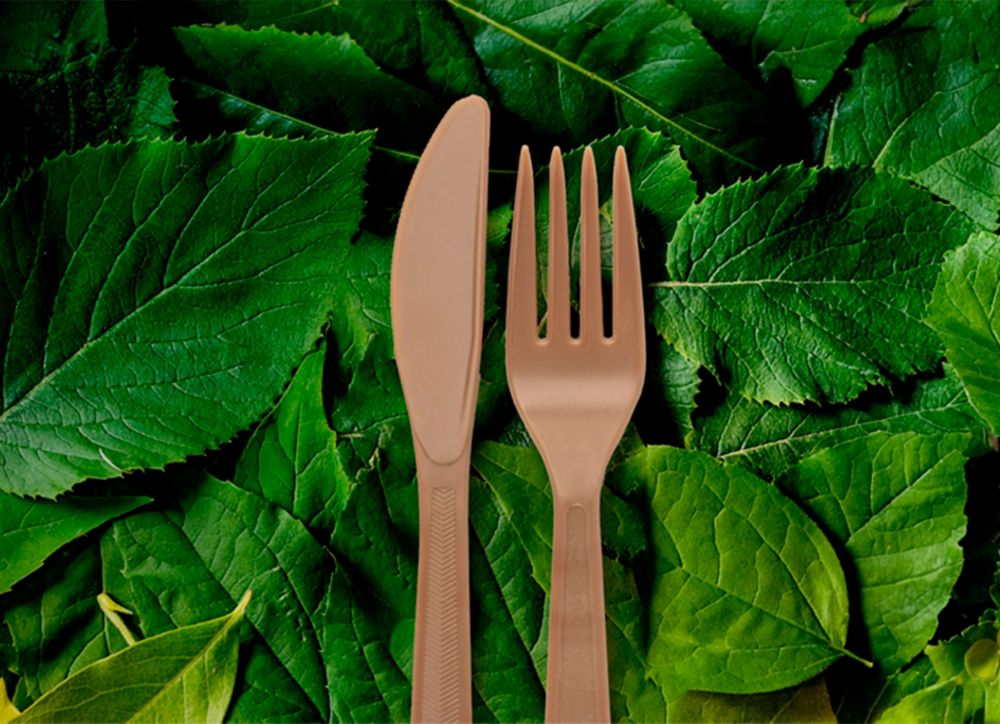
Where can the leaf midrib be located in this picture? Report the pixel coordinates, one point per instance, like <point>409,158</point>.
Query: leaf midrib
<point>611,85</point>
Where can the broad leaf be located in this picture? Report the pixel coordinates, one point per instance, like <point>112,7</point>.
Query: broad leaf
<point>173,285</point>
<point>569,68</point>
<point>965,312</point>
<point>802,285</point>
<point>668,399</point>
<point>182,675</point>
<point>895,504</point>
<point>925,105</point>
<point>769,439</point>
<point>809,702</point>
<point>291,458</point>
<point>806,40</point>
<point>32,530</point>
<point>274,80</point>
<point>747,593</point>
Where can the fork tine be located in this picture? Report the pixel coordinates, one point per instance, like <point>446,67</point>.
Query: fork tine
<point>627,313</point>
<point>591,310</point>
<point>557,324</point>
<point>522,290</point>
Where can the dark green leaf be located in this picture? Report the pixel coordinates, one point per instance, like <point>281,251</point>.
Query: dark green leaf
<point>807,40</point>
<point>770,439</point>
<point>806,703</point>
<point>38,37</point>
<point>148,285</point>
<point>803,285</point>
<point>32,530</point>
<point>575,70</point>
<point>925,105</point>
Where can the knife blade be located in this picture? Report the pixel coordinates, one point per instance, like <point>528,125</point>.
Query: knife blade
<point>437,280</point>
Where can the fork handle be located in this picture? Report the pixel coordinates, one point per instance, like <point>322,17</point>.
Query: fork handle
<point>442,659</point>
<point>577,679</point>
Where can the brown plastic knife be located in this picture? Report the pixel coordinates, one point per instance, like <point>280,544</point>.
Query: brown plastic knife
<point>438,270</point>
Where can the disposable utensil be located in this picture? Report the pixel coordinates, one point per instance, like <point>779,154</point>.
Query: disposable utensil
<point>438,269</point>
<point>575,395</point>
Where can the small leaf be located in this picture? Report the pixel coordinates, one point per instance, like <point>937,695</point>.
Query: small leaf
<point>802,285</point>
<point>965,312</point>
<point>113,610</point>
<point>8,712</point>
<point>895,503</point>
<point>182,675</point>
<point>32,530</point>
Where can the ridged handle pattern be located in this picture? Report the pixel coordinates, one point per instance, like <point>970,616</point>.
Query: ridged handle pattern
<point>442,677</point>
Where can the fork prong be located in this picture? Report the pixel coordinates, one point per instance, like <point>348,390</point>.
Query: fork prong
<point>557,316</point>
<point>591,310</point>
<point>522,290</point>
<point>627,313</point>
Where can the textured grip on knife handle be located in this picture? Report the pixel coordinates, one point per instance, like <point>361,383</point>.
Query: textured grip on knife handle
<point>577,680</point>
<point>442,668</point>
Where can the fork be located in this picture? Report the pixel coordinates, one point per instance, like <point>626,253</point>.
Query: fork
<point>575,396</point>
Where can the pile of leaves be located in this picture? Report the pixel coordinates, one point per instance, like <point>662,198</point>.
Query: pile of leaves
<point>198,398</point>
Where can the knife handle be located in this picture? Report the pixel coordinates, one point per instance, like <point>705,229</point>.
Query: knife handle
<point>577,678</point>
<point>442,650</point>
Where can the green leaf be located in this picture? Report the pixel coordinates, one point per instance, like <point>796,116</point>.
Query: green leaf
<point>32,530</point>
<point>965,313</point>
<point>291,458</point>
<point>671,385</point>
<point>274,80</point>
<point>895,504</point>
<point>806,703</point>
<point>803,285</point>
<point>171,282</point>
<point>747,593</point>
<point>576,70</point>
<point>806,40</point>
<point>925,105</point>
<point>770,439</point>
<point>196,554</point>
<point>415,39</point>
<point>37,37</point>
<point>182,675</point>
<point>941,702</point>
<point>876,691</point>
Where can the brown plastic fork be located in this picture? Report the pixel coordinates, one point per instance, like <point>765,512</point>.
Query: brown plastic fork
<point>575,395</point>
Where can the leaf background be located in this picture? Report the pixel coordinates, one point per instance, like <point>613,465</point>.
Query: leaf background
<point>744,122</point>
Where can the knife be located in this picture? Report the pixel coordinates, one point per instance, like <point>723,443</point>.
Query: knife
<point>438,270</point>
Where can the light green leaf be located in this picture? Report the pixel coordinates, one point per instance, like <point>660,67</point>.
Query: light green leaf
<point>197,552</point>
<point>7,709</point>
<point>182,675</point>
<point>940,703</point>
<point>275,81</point>
<point>747,593</point>
<point>769,439</point>
<point>809,702</point>
<point>175,286</point>
<point>804,285</point>
<point>895,505</point>
<point>576,70</point>
<point>925,105</point>
<point>32,530</point>
<point>291,458</point>
<point>808,40</point>
<point>965,312</point>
